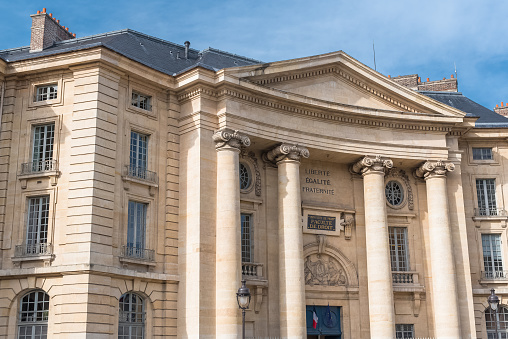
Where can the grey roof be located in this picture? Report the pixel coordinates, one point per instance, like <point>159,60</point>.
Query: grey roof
<point>487,117</point>
<point>155,53</point>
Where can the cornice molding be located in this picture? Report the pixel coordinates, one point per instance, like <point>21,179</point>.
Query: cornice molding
<point>196,92</point>
<point>344,75</point>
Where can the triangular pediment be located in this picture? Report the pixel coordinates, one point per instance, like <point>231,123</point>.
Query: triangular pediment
<point>339,79</point>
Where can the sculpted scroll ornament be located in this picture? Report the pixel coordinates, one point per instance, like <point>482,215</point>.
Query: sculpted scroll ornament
<point>431,169</point>
<point>286,151</point>
<point>324,271</point>
<point>231,138</point>
<point>368,164</point>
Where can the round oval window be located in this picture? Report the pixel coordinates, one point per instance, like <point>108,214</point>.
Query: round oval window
<point>244,177</point>
<point>394,193</point>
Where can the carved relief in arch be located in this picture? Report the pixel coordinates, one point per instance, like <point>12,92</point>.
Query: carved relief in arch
<point>326,265</point>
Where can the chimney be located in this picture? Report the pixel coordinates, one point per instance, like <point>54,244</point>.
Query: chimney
<point>187,45</point>
<point>46,30</point>
<point>502,109</point>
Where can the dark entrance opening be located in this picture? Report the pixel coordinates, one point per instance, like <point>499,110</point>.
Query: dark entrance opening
<point>328,323</point>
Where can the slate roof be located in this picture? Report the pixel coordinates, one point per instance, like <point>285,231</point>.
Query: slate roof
<point>161,55</point>
<point>487,118</point>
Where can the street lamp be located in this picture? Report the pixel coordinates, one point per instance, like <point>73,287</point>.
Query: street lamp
<point>493,303</point>
<point>243,299</point>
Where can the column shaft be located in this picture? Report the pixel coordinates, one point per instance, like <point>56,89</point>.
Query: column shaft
<point>444,288</point>
<point>291,283</point>
<point>379,272</point>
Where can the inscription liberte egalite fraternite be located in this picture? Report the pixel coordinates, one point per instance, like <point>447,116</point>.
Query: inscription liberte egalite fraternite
<point>318,177</point>
<point>321,223</point>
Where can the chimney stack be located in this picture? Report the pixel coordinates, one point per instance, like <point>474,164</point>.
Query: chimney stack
<point>46,30</point>
<point>187,45</point>
<point>502,109</point>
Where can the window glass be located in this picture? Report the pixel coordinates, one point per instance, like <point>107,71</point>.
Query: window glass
<point>492,257</point>
<point>404,331</point>
<point>131,318</point>
<point>42,148</point>
<point>142,101</point>
<point>245,177</point>
<point>502,322</point>
<point>398,248</point>
<point>486,194</point>
<point>246,237</point>
<point>136,225</point>
<point>46,92</point>
<point>33,316</point>
<point>394,193</point>
<point>482,153</point>
<point>138,154</point>
<point>37,225</point>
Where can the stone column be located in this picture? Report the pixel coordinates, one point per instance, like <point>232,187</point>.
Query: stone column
<point>442,269</point>
<point>228,232</point>
<point>291,279</point>
<point>379,271</point>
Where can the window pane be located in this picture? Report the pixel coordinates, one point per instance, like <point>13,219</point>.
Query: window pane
<point>482,153</point>
<point>131,320</point>
<point>404,331</point>
<point>136,227</point>
<point>398,248</point>
<point>138,154</point>
<point>502,322</point>
<point>492,257</point>
<point>246,220</point>
<point>42,150</point>
<point>38,220</point>
<point>486,194</point>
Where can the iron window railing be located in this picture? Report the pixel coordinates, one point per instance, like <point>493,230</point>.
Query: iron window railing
<point>142,173</point>
<point>494,275</point>
<point>39,166</point>
<point>138,253</point>
<point>490,212</point>
<point>33,250</point>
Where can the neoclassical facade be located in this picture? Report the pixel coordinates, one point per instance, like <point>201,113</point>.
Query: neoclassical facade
<point>141,181</point>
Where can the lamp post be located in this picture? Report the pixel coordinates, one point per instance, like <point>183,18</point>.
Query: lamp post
<point>243,299</point>
<point>493,303</point>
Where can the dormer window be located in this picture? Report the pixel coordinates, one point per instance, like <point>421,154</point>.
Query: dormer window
<point>141,101</point>
<point>46,92</point>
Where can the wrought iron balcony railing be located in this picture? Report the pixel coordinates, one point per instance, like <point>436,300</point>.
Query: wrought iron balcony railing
<point>494,275</point>
<point>39,166</point>
<point>141,173</point>
<point>490,212</point>
<point>402,277</point>
<point>138,253</point>
<point>33,250</point>
<point>252,270</point>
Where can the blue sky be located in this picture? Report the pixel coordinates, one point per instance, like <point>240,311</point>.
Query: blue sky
<point>424,37</point>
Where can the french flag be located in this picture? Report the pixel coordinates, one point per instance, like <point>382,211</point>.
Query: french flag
<point>314,317</point>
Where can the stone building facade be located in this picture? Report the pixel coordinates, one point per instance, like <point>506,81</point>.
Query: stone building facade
<point>141,181</point>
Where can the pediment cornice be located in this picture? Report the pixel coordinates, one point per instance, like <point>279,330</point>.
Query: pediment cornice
<point>294,104</point>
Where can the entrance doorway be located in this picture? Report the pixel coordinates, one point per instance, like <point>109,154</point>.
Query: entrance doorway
<point>328,322</point>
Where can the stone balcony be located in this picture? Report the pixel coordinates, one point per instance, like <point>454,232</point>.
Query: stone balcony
<point>39,169</point>
<point>33,252</point>
<point>406,281</point>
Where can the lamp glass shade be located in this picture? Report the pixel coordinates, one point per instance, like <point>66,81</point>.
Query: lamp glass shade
<point>243,301</point>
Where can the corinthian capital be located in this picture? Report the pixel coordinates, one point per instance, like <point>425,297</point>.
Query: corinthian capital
<point>431,169</point>
<point>286,151</point>
<point>369,164</point>
<point>228,137</point>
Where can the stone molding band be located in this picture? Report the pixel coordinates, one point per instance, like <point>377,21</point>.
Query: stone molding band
<point>286,152</point>
<point>369,164</point>
<point>227,137</point>
<point>430,169</point>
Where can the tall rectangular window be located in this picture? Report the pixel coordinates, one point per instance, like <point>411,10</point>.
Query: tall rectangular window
<point>246,237</point>
<point>42,148</point>
<point>398,248</point>
<point>37,223</point>
<point>138,151</point>
<point>136,228</point>
<point>142,101</point>
<point>46,92</point>
<point>404,331</point>
<point>482,153</point>
<point>492,258</point>
<point>486,193</point>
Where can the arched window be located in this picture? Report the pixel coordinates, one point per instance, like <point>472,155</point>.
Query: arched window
<point>131,321</point>
<point>245,176</point>
<point>502,323</point>
<point>33,316</point>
